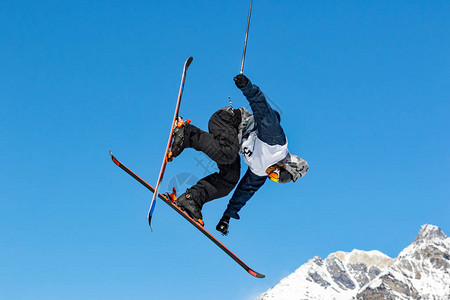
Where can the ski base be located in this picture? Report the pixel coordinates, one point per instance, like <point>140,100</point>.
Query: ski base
<point>187,63</point>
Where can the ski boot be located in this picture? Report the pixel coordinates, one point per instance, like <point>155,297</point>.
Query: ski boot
<point>177,145</point>
<point>186,203</point>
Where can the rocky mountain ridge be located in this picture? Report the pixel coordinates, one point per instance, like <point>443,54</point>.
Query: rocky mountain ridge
<point>420,271</point>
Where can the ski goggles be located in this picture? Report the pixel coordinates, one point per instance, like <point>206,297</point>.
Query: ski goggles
<point>280,175</point>
<point>275,175</point>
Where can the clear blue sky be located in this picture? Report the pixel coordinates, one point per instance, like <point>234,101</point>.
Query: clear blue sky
<point>364,92</point>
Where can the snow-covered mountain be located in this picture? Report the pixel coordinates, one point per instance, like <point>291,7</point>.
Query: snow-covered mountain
<point>421,271</point>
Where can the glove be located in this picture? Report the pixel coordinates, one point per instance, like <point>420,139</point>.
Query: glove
<point>223,225</point>
<point>241,81</point>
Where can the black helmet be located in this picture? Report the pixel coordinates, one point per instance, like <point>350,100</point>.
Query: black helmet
<point>285,176</point>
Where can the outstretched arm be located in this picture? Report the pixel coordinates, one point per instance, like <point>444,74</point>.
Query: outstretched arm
<point>246,188</point>
<point>267,121</point>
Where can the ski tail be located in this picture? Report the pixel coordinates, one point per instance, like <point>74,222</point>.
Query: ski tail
<point>187,63</point>
<point>188,218</point>
<point>150,216</point>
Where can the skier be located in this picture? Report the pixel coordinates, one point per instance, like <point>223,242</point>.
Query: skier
<point>260,139</point>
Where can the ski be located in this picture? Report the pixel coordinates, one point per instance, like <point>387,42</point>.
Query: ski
<point>165,160</point>
<point>187,217</point>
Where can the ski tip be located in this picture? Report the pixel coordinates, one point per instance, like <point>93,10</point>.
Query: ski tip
<point>256,274</point>
<point>189,61</point>
<point>114,159</point>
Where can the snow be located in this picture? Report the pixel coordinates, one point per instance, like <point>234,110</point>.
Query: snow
<point>368,258</point>
<point>422,268</point>
<point>314,280</point>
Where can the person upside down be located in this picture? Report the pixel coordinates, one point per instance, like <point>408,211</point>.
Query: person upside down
<point>258,137</point>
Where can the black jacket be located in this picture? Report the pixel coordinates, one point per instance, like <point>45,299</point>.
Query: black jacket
<point>268,129</point>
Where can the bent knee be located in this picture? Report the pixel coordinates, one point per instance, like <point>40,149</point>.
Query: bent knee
<point>228,156</point>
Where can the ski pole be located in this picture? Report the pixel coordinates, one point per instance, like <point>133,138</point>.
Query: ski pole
<point>246,36</point>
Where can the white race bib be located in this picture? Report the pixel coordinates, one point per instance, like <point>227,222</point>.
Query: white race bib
<point>259,155</point>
